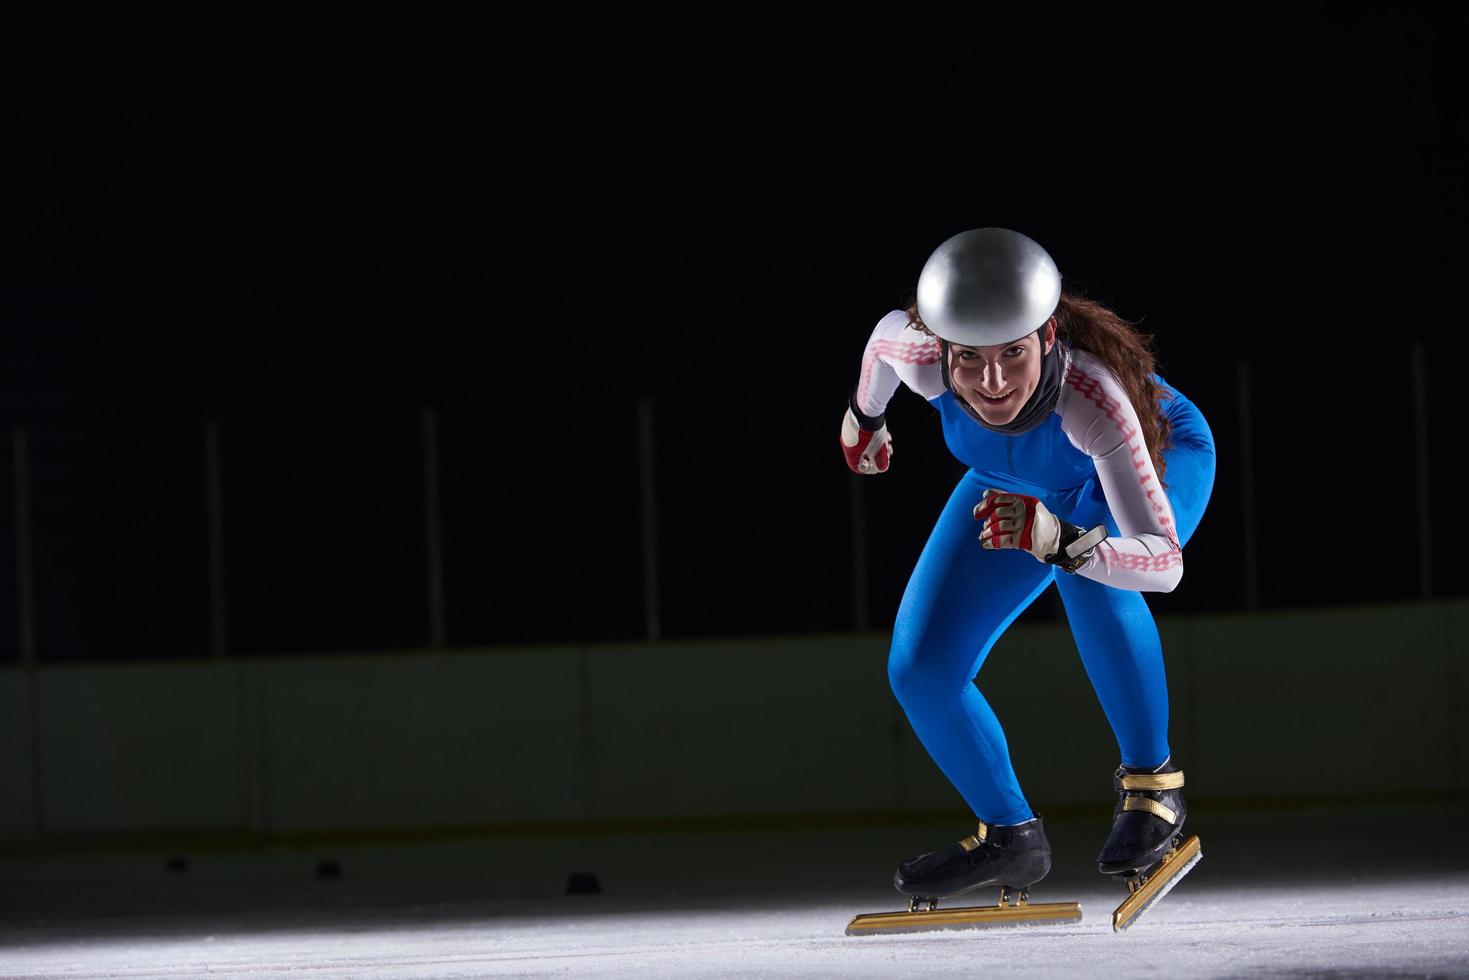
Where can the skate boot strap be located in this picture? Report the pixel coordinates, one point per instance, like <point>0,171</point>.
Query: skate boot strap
<point>1151,806</point>
<point>1151,783</point>
<point>977,838</point>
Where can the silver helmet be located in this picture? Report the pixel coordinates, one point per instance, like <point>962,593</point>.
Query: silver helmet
<point>987,286</point>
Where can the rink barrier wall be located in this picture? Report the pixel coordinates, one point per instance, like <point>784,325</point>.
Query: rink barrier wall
<point>1268,709</point>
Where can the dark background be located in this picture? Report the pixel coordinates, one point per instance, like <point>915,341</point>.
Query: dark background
<point>603,207</point>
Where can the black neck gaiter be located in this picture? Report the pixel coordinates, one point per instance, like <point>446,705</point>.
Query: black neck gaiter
<point>1042,401</point>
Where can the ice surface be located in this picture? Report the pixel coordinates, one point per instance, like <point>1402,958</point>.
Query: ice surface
<point>1273,897</point>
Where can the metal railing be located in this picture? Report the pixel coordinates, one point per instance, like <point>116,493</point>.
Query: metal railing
<point>436,609</point>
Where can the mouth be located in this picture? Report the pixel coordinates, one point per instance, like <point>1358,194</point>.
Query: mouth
<point>995,401</point>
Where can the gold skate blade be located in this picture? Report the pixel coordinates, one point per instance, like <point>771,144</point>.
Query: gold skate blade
<point>924,920</point>
<point>1159,883</point>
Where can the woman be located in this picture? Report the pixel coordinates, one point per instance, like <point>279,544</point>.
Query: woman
<point>1085,469</point>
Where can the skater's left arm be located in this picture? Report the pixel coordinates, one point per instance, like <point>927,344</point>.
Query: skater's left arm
<point>1099,419</point>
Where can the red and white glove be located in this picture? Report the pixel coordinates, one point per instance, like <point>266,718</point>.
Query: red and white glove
<point>1014,520</point>
<point>868,451</point>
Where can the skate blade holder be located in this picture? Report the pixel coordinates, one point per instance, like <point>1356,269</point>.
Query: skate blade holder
<point>1146,889</point>
<point>1014,909</point>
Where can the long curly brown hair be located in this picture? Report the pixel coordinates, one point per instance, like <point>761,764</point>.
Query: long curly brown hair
<point>1085,324</point>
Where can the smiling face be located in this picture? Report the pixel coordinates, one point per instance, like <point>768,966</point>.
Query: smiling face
<point>997,381</point>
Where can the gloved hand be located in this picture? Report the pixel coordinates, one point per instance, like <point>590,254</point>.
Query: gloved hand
<point>868,450</point>
<point>1014,520</point>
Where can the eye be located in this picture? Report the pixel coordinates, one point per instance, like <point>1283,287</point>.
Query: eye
<point>1018,351</point>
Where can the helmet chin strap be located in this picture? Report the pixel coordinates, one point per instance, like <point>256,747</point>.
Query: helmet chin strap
<point>1041,403</point>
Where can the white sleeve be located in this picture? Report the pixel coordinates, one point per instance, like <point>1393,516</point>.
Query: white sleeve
<point>1098,418</point>
<point>897,352</point>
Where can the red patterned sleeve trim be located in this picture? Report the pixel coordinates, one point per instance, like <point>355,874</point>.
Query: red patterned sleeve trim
<point>893,352</point>
<point>1142,463</point>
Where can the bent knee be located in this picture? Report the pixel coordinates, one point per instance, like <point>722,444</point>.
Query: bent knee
<point>922,679</point>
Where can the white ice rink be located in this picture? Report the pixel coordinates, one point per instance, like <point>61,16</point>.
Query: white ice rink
<point>1275,896</point>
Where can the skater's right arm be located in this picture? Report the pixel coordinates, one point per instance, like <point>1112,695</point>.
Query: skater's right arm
<point>895,352</point>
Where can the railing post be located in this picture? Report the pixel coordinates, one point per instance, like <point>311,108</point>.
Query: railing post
<point>859,552</point>
<point>25,583</point>
<point>1247,487</point>
<point>646,470</point>
<point>433,529</point>
<point>1420,460</point>
<point>214,510</point>
<point>25,599</point>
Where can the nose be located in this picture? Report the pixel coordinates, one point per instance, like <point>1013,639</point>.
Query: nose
<point>993,378</point>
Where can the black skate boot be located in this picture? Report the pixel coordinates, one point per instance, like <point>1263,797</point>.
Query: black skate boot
<point>1146,849</point>
<point>1148,817</point>
<point>1014,857</point>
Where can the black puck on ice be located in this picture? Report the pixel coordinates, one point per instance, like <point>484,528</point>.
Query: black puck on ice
<point>583,883</point>
<point>176,865</point>
<point>329,869</point>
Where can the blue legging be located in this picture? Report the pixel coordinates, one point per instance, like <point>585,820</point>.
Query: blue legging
<point>961,597</point>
